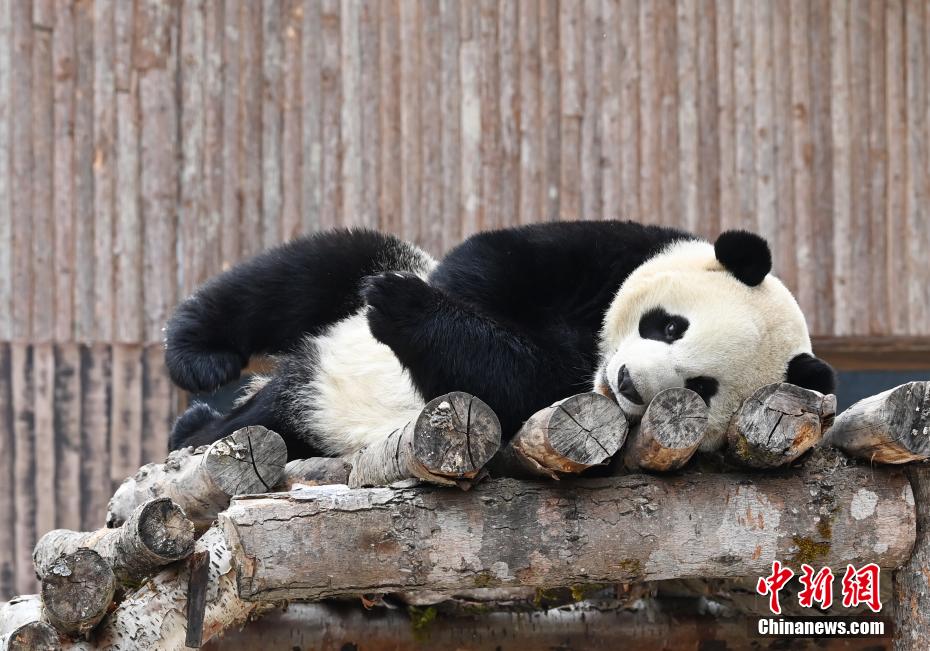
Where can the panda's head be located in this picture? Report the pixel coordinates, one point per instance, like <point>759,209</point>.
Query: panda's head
<point>709,317</point>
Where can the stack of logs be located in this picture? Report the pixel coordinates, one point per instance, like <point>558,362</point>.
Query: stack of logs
<point>200,543</point>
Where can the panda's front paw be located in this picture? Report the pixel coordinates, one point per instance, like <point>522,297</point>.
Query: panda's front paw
<point>397,301</point>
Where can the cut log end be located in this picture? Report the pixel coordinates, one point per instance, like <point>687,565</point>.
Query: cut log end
<point>455,435</point>
<point>891,427</point>
<point>585,430</point>
<point>777,424</point>
<point>77,591</point>
<point>669,433</point>
<point>33,636</point>
<point>263,451</point>
<point>165,530</point>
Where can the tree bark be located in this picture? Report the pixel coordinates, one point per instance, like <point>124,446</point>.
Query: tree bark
<point>669,433</point>
<point>568,437</point>
<point>22,627</point>
<point>912,580</point>
<point>316,471</point>
<point>77,590</point>
<point>156,533</point>
<point>153,617</point>
<point>449,443</point>
<point>777,424</point>
<point>201,482</point>
<point>330,540</point>
<point>891,427</point>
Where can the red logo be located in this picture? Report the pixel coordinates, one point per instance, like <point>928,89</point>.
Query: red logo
<point>771,585</point>
<point>859,586</point>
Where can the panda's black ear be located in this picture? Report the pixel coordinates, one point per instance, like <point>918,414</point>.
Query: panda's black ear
<point>812,373</point>
<point>745,255</point>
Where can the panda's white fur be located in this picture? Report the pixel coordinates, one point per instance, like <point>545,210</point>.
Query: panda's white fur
<point>740,335</point>
<point>359,393</point>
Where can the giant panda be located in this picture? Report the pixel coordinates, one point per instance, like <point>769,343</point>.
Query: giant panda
<point>366,328</point>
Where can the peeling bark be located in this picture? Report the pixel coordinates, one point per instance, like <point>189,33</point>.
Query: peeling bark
<point>568,437</point>
<point>669,433</point>
<point>153,617</point>
<point>449,443</point>
<point>777,424</point>
<point>156,533</point>
<point>329,540</point>
<point>891,427</point>
<point>912,580</point>
<point>201,482</point>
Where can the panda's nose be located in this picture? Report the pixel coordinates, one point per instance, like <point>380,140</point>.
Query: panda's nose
<point>625,387</point>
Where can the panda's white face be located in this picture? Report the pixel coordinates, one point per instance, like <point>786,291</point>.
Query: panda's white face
<point>683,320</point>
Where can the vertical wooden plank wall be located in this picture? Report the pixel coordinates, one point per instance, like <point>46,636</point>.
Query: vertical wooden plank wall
<point>148,145</point>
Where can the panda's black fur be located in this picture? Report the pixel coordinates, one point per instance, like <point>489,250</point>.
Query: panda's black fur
<point>511,316</point>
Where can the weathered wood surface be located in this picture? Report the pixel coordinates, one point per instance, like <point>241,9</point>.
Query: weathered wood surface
<point>891,427</point>
<point>912,580</point>
<point>22,627</point>
<point>334,627</point>
<point>201,481</point>
<point>77,590</point>
<point>156,533</point>
<point>153,617</point>
<point>669,433</point>
<point>777,424</point>
<point>315,471</point>
<point>317,542</point>
<point>448,443</point>
<point>568,437</point>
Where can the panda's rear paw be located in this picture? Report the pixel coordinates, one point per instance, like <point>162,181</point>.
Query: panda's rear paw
<point>397,300</point>
<point>200,371</point>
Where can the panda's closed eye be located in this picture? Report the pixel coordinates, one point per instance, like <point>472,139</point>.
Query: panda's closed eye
<point>659,325</point>
<point>704,386</point>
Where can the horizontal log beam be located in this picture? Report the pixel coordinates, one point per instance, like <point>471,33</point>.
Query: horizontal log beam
<point>303,626</point>
<point>331,540</point>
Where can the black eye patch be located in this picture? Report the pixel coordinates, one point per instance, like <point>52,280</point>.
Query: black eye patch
<point>704,386</point>
<point>660,325</point>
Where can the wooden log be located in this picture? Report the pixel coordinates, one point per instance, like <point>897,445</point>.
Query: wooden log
<point>891,427</point>
<point>777,424</point>
<point>155,534</point>
<point>77,591</point>
<point>201,482</point>
<point>316,471</point>
<point>22,626</point>
<point>336,627</point>
<point>449,443</point>
<point>153,617</point>
<point>669,433</point>
<point>317,542</point>
<point>568,437</point>
<point>912,580</point>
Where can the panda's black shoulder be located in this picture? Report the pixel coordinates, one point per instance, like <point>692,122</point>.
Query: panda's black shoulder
<point>560,249</point>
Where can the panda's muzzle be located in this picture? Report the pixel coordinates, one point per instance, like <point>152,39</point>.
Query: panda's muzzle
<point>626,388</point>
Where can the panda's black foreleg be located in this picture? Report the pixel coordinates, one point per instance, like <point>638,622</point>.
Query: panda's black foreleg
<point>267,304</point>
<point>447,345</point>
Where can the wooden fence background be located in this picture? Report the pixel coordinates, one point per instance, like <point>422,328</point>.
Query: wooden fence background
<point>149,144</point>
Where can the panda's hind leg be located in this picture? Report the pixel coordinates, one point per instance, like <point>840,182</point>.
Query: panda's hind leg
<point>203,425</point>
<point>266,305</point>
